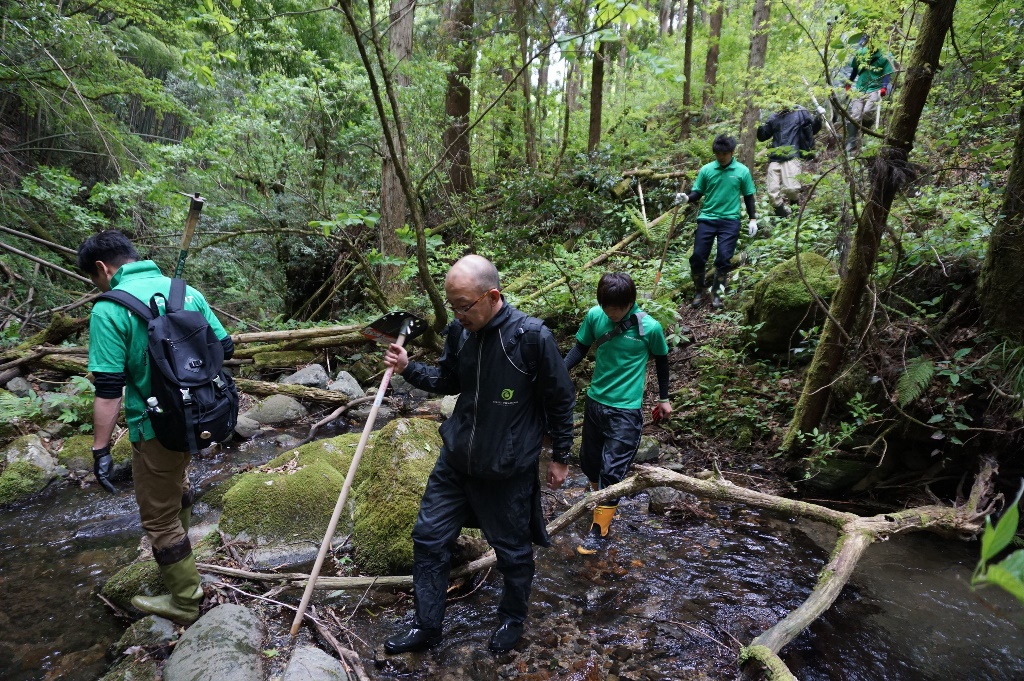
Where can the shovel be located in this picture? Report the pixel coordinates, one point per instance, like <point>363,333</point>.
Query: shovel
<point>394,327</point>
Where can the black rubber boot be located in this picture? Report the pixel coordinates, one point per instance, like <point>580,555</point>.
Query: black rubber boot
<point>413,641</point>
<point>506,636</point>
<point>700,288</point>
<point>783,211</point>
<point>718,287</point>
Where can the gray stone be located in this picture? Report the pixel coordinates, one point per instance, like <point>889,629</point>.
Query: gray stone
<point>400,386</point>
<point>312,376</point>
<point>149,632</point>
<point>224,645</point>
<point>649,450</point>
<point>664,499</point>
<point>448,405</point>
<point>53,429</point>
<point>29,449</point>
<point>346,384</point>
<point>246,427</point>
<point>277,410</point>
<point>313,664</point>
<point>52,403</point>
<point>362,412</point>
<point>287,441</point>
<point>19,386</point>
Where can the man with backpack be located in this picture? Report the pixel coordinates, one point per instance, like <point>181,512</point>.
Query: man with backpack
<point>513,388</point>
<point>792,132</point>
<point>120,351</point>
<point>870,75</point>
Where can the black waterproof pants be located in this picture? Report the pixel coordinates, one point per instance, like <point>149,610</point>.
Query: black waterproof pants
<point>611,437</point>
<point>503,508</point>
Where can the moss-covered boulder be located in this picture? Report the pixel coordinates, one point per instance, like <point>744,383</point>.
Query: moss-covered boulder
<point>26,467</point>
<point>142,578</point>
<point>76,454</point>
<point>284,506</point>
<point>782,304</point>
<point>397,466</point>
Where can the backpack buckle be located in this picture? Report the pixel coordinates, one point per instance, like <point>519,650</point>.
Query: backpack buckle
<point>186,396</point>
<point>219,382</point>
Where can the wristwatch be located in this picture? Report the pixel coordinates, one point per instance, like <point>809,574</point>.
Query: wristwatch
<point>561,457</point>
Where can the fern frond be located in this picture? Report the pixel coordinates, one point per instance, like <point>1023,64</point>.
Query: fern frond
<point>914,381</point>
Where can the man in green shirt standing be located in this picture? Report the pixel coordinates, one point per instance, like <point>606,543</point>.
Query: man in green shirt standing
<point>721,182</point>
<point>613,418</point>
<point>870,73</point>
<point>119,361</point>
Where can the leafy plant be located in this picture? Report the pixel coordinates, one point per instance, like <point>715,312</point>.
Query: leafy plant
<point>1007,574</point>
<point>16,408</point>
<point>915,380</point>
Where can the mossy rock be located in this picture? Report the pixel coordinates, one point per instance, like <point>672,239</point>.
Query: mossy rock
<point>21,479</point>
<point>398,465</point>
<point>142,578</point>
<point>836,474</point>
<point>214,497</point>
<point>143,668</point>
<point>290,498</point>
<point>282,359</point>
<point>121,452</point>
<point>782,303</point>
<point>76,454</point>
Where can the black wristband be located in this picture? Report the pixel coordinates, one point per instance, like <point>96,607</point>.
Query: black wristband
<point>561,457</point>
<point>102,451</point>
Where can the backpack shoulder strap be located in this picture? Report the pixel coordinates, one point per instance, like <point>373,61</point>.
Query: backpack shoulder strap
<point>531,326</point>
<point>131,302</point>
<point>635,319</point>
<point>176,298</point>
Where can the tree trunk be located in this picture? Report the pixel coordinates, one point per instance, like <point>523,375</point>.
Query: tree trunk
<point>526,83</point>
<point>711,64</point>
<point>457,99</point>
<point>665,17</point>
<point>596,96</point>
<point>755,62</point>
<point>392,200</point>
<point>889,174</point>
<point>684,128</point>
<point>1002,274</point>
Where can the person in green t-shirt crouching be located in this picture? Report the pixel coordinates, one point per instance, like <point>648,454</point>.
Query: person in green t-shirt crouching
<point>625,337</point>
<point>721,182</point>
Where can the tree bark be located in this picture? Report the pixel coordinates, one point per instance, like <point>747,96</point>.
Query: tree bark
<point>526,83</point>
<point>889,174</point>
<point>457,99</point>
<point>755,62</point>
<point>596,96</point>
<point>684,128</point>
<point>392,200</point>
<point>711,63</point>
<point>665,17</point>
<point>299,392</point>
<point>1002,274</point>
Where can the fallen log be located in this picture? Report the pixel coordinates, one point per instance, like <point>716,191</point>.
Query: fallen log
<point>294,334</point>
<point>300,392</point>
<point>60,327</point>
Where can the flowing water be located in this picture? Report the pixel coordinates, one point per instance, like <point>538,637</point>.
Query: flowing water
<point>672,598</point>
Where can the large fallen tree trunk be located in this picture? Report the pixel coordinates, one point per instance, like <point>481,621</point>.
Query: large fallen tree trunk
<point>856,534</point>
<point>294,334</point>
<point>301,392</point>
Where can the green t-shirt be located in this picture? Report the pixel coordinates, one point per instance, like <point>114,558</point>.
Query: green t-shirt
<point>871,70</point>
<point>620,368</point>
<point>722,189</point>
<point>118,341</point>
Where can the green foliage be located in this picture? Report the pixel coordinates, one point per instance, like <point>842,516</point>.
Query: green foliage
<point>1008,573</point>
<point>914,380</point>
<point>25,409</point>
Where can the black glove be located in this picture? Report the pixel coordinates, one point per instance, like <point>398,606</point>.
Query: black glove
<point>103,466</point>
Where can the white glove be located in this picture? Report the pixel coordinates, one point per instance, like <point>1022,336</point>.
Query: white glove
<point>681,198</point>
<point>821,110</point>
<point>752,228</point>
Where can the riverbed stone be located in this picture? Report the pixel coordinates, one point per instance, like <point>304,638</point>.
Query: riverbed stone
<point>782,304</point>
<point>153,633</point>
<point>649,450</point>
<point>346,384</point>
<point>661,500</point>
<point>312,376</point>
<point>19,386</point>
<point>142,578</point>
<point>362,412</point>
<point>400,386</point>
<point>53,429</point>
<point>448,405</point>
<point>246,427</point>
<point>224,645</point>
<point>398,464</point>
<point>312,664</point>
<point>277,410</point>
<point>283,506</point>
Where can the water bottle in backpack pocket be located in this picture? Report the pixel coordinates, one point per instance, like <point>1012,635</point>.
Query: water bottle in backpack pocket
<point>196,400</point>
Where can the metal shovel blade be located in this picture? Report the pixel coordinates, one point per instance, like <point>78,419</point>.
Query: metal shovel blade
<point>388,328</point>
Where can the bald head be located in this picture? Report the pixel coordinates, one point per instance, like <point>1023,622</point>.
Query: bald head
<point>473,272</point>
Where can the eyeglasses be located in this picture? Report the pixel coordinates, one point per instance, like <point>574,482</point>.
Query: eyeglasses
<point>464,310</point>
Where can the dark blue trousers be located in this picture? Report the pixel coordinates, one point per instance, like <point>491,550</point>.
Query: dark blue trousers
<point>611,437</point>
<point>727,232</point>
<point>503,509</point>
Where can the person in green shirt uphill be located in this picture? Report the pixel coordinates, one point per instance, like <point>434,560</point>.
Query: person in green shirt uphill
<point>625,337</point>
<point>721,182</point>
<point>870,72</point>
<point>118,360</point>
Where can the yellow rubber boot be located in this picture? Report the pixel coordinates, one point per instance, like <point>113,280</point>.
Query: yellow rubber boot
<point>595,539</point>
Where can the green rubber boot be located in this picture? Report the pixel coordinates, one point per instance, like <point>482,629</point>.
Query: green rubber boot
<point>185,517</point>
<point>182,604</point>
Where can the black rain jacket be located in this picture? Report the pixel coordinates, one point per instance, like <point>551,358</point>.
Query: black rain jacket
<point>503,410</point>
<point>791,132</point>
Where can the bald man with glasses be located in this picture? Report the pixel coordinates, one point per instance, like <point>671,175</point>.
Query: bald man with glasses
<point>513,390</point>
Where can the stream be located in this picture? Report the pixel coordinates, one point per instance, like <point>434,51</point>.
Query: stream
<point>673,598</point>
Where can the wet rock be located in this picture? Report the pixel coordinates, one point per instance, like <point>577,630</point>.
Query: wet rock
<point>137,668</point>
<point>312,376</point>
<point>277,410</point>
<point>19,386</point>
<point>142,578</point>
<point>398,464</point>
<point>246,427</point>
<point>153,633</point>
<point>400,386</point>
<point>664,499</point>
<point>224,645</point>
<point>362,412</point>
<point>121,453</point>
<point>782,304</point>
<point>346,384</point>
<point>287,441</point>
<point>649,450</point>
<point>313,664</point>
<point>76,454</point>
<point>27,469</point>
<point>448,405</point>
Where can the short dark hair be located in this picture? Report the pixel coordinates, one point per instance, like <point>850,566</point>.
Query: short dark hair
<point>616,289</point>
<point>724,144</point>
<point>109,246</point>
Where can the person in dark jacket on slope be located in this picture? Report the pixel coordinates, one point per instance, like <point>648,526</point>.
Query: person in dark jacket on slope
<point>792,132</point>
<point>513,389</point>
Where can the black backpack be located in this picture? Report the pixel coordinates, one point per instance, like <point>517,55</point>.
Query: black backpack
<point>196,400</point>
